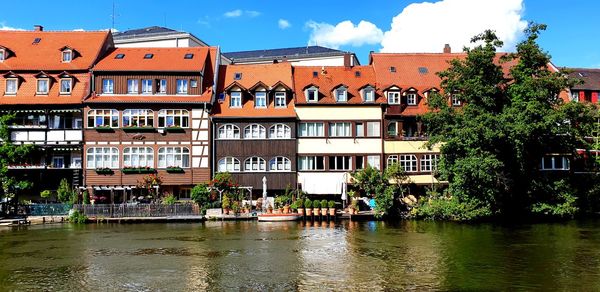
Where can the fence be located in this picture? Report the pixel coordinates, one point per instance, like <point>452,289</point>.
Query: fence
<point>47,209</point>
<point>138,210</point>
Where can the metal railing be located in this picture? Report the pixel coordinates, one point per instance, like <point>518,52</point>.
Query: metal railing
<point>138,210</point>
<point>47,209</point>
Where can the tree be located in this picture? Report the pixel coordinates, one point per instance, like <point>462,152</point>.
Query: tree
<point>201,195</point>
<point>65,193</point>
<point>369,180</point>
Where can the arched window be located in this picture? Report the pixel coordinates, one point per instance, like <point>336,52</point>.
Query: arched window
<point>280,131</point>
<point>173,118</point>
<point>173,157</point>
<point>102,157</point>
<point>280,163</point>
<point>229,131</point>
<point>138,118</point>
<point>138,157</point>
<point>229,164</point>
<point>392,129</point>
<point>255,164</point>
<point>255,131</point>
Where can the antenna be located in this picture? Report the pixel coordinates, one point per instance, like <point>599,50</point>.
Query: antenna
<point>113,16</point>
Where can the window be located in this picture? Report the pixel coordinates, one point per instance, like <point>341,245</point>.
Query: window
<point>120,56</point>
<point>193,83</point>
<point>146,86</point>
<point>132,86</point>
<point>173,118</point>
<point>429,162</point>
<point>182,86</point>
<point>255,164</point>
<point>392,69</point>
<point>311,130</point>
<point>67,56</point>
<point>138,157</point>
<point>161,86</point>
<point>373,129</point>
<point>255,131</point>
<point>555,162</point>
<point>280,131</point>
<point>173,157</point>
<point>138,118</point>
<point>340,162</point>
<point>58,161</point>
<point>392,159</point>
<point>393,97</point>
<point>455,100</point>
<point>374,161</point>
<point>392,129</point>
<point>408,163</point>
<point>229,132</point>
<point>237,76</point>
<point>312,94</point>
<point>280,99</point>
<point>341,94</point>
<point>369,94</point>
<point>66,85</point>
<point>311,163</point>
<point>103,118</point>
<point>42,86</point>
<point>188,56</point>
<point>260,99</point>
<point>280,163</point>
<point>411,99</point>
<point>339,130</point>
<point>360,130</point>
<point>148,56</point>
<point>2,55</point>
<point>575,96</point>
<point>229,164</point>
<point>102,157</point>
<point>236,99</point>
<point>360,162</point>
<point>11,86</point>
<point>108,86</point>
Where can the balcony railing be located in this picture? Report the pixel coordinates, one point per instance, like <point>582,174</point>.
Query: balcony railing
<point>47,136</point>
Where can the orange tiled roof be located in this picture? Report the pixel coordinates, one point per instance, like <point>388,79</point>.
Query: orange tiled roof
<point>252,75</point>
<point>46,54</point>
<point>332,77</point>
<point>26,93</point>
<point>163,59</point>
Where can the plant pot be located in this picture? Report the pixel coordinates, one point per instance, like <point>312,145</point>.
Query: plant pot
<point>316,211</point>
<point>286,210</point>
<point>269,211</point>
<point>331,211</point>
<point>324,211</point>
<point>246,211</point>
<point>301,211</point>
<point>308,212</point>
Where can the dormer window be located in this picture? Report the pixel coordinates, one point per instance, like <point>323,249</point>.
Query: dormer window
<point>411,98</point>
<point>237,76</point>
<point>312,94</point>
<point>280,99</point>
<point>456,100</point>
<point>66,85</point>
<point>260,100</point>
<point>11,86</point>
<point>67,56</point>
<point>368,94</point>
<point>236,99</point>
<point>341,94</point>
<point>393,97</point>
<point>2,55</point>
<point>42,86</point>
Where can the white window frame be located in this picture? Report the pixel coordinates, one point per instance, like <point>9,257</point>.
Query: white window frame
<point>411,98</point>
<point>359,129</point>
<point>133,86</point>
<point>229,164</point>
<point>176,115</point>
<point>16,81</point>
<point>341,94</point>
<point>312,94</point>
<point>368,94</point>
<point>308,163</point>
<point>311,129</point>
<point>255,131</point>
<point>409,163</point>
<point>147,86</point>
<point>228,131</point>
<point>173,157</point>
<point>373,129</point>
<point>37,89</point>
<point>374,161</point>
<point>346,162</point>
<point>393,97</point>
<point>260,95</point>
<point>70,81</point>
<point>280,131</point>
<point>109,157</point>
<point>144,118</point>
<point>2,55</point>
<point>161,85</point>
<point>111,114</point>
<point>255,164</point>
<point>138,157</point>
<point>429,162</point>
<point>67,53</point>
<point>455,98</point>
<point>566,163</point>
<point>235,99</point>
<point>182,86</point>
<point>280,99</point>
<point>392,159</point>
<point>335,127</point>
<point>280,164</point>
<point>108,86</point>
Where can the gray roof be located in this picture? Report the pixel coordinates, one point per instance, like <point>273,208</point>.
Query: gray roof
<point>590,78</point>
<point>297,52</point>
<point>145,32</point>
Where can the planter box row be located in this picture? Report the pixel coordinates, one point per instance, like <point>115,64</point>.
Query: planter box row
<point>140,129</point>
<point>108,171</point>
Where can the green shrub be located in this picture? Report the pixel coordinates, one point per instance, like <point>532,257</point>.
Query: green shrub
<point>316,204</point>
<point>443,208</point>
<point>225,202</point>
<point>323,203</point>
<point>86,197</point>
<point>308,203</point>
<point>294,206</point>
<point>331,204</point>
<point>46,194</point>
<point>200,194</point>
<point>300,203</point>
<point>169,199</point>
<point>77,217</point>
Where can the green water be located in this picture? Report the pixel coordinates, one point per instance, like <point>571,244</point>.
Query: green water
<point>351,256</point>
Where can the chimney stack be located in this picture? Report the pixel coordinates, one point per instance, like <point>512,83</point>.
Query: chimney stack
<point>348,60</point>
<point>447,49</point>
<point>38,27</point>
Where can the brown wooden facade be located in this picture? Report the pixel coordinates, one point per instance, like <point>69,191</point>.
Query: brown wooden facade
<point>120,82</point>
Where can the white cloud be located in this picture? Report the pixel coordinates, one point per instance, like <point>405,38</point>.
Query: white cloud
<point>252,13</point>
<point>283,24</point>
<point>239,13</point>
<point>426,27</point>
<point>79,29</point>
<point>3,26</point>
<point>344,33</point>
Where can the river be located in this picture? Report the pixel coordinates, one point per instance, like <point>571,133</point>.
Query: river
<point>253,256</point>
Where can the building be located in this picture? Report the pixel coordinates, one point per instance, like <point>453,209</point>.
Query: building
<point>255,126</point>
<point>339,112</point>
<point>588,89</point>
<point>44,76</point>
<point>299,56</point>
<point>156,37</point>
<point>148,115</point>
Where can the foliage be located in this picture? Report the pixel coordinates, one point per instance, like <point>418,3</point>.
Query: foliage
<point>64,192</point>
<point>323,203</point>
<point>46,194</point>
<point>294,206</point>
<point>300,203</point>
<point>308,203</point>
<point>316,204</point>
<point>370,180</point>
<point>235,206</point>
<point>223,181</point>
<point>225,202</point>
<point>354,205</point>
<point>169,199</point>
<point>148,183</point>
<point>561,204</point>
<point>450,209</point>
<point>200,194</point>
<point>331,204</point>
<point>77,217</point>
<point>86,197</point>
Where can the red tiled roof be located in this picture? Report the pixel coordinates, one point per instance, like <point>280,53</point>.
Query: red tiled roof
<point>270,75</point>
<point>163,59</point>
<point>26,93</point>
<point>330,78</point>
<point>46,54</point>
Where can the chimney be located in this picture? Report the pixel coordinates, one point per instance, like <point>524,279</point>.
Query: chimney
<point>38,27</point>
<point>347,60</point>
<point>447,49</point>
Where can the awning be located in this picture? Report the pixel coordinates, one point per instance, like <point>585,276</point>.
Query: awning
<point>322,183</point>
<point>66,149</point>
<point>66,111</point>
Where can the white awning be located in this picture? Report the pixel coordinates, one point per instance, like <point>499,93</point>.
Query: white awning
<point>66,111</point>
<point>318,183</point>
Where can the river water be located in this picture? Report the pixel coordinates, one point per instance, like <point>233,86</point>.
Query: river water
<point>253,256</point>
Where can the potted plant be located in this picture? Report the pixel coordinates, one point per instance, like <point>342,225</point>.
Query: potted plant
<point>225,204</point>
<point>294,207</point>
<point>308,206</point>
<point>300,205</point>
<point>270,209</point>
<point>286,209</point>
<point>324,207</point>
<point>316,206</point>
<point>235,207</point>
<point>259,204</point>
<point>354,207</point>
<point>331,205</point>
<point>246,208</point>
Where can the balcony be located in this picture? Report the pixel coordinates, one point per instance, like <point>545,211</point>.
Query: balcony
<point>65,136</point>
<point>50,136</point>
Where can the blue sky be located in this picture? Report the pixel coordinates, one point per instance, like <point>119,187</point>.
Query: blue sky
<point>572,37</point>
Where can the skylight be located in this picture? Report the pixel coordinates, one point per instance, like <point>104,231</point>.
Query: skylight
<point>148,56</point>
<point>188,56</point>
<point>37,41</point>
<point>423,70</point>
<point>315,74</point>
<point>120,56</point>
<point>237,76</point>
<point>393,69</point>
<point>357,74</point>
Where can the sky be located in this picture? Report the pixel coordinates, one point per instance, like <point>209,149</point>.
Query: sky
<point>572,38</point>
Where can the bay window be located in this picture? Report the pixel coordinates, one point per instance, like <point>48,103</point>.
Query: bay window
<point>103,118</point>
<point>138,118</point>
<point>173,118</point>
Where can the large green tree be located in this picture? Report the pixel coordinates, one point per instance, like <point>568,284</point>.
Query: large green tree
<point>511,116</point>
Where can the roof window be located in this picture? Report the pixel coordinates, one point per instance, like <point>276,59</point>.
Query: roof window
<point>393,69</point>
<point>148,56</point>
<point>315,74</point>
<point>237,76</point>
<point>188,56</point>
<point>120,56</point>
<point>36,41</point>
<point>357,74</point>
<point>423,70</point>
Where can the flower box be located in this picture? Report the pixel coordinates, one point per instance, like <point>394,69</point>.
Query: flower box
<point>175,169</point>
<point>138,129</point>
<point>104,129</point>
<point>104,171</point>
<point>175,129</point>
<point>138,170</point>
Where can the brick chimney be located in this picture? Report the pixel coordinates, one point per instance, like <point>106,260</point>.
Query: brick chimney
<point>348,60</point>
<point>38,27</point>
<point>447,49</point>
